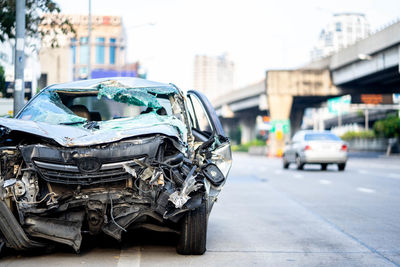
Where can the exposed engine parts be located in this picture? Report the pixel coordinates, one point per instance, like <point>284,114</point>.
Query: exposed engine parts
<point>58,197</point>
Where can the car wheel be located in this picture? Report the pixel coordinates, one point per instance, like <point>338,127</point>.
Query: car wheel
<point>324,166</point>
<point>285,162</point>
<point>192,240</point>
<point>300,165</point>
<point>341,166</point>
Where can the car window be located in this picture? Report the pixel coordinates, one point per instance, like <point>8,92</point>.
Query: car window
<point>109,109</point>
<point>198,115</point>
<point>321,137</point>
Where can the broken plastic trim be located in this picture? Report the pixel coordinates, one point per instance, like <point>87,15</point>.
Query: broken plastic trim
<point>13,232</point>
<point>179,198</point>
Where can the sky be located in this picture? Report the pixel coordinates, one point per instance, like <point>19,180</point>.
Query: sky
<point>258,35</point>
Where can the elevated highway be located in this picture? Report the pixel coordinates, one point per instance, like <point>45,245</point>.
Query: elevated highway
<point>241,107</point>
<point>369,66</point>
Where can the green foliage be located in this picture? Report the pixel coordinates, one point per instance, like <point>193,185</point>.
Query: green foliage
<point>236,135</point>
<point>358,135</point>
<point>34,18</point>
<point>2,82</point>
<point>388,127</point>
<point>245,147</point>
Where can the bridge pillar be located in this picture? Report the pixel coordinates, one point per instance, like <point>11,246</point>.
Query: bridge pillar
<point>281,87</point>
<point>280,106</point>
<point>248,127</point>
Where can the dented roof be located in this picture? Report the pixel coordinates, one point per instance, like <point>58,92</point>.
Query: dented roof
<point>126,82</point>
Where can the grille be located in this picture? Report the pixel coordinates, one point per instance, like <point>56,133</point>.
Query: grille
<point>70,174</point>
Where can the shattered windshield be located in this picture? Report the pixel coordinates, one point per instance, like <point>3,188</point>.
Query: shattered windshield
<point>105,108</point>
<point>48,107</point>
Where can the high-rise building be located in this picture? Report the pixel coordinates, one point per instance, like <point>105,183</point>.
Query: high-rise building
<point>214,75</point>
<point>344,29</point>
<point>70,60</point>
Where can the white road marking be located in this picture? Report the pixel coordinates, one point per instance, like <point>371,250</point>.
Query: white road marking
<point>129,257</point>
<point>322,181</point>
<point>365,190</point>
<point>379,166</point>
<point>298,176</point>
<point>278,171</point>
<point>391,175</point>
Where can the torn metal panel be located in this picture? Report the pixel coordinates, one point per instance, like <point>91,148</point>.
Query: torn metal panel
<point>146,120</point>
<point>69,136</point>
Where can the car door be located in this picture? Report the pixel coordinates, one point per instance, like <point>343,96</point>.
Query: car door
<point>207,128</point>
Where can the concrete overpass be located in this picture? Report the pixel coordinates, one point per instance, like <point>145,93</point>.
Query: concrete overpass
<point>369,66</point>
<point>241,107</point>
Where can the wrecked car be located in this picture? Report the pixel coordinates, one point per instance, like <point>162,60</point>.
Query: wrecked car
<point>107,156</point>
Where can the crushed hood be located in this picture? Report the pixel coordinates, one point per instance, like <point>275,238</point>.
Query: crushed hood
<point>107,131</point>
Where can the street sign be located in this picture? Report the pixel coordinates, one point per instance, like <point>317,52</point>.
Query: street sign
<point>396,98</point>
<point>339,104</point>
<point>282,126</point>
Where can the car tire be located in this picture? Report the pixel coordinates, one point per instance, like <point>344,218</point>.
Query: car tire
<point>324,166</point>
<point>285,162</point>
<point>299,164</point>
<point>341,166</point>
<point>193,237</point>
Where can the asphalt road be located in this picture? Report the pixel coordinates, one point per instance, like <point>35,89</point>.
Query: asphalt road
<point>267,216</point>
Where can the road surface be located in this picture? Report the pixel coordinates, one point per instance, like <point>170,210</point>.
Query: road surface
<point>267,216</point>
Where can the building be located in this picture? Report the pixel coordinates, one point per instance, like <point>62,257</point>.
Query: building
<point>70,61</point>
<point>31,69</point>
<point>214,75</point>
<point>344,29</point>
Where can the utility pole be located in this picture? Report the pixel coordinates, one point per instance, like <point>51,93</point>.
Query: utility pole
<point>89,76</point>
<point>19,62</point>
<point>340,116</point>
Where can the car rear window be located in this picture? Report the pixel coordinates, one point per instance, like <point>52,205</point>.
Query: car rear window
<point>321,137</point>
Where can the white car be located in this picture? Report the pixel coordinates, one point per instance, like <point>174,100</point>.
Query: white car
<point>312,147</point>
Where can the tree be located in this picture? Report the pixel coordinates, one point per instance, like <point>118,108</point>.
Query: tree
<point>35,10</point>
<point>388,127</point>
<point>3,88</point>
